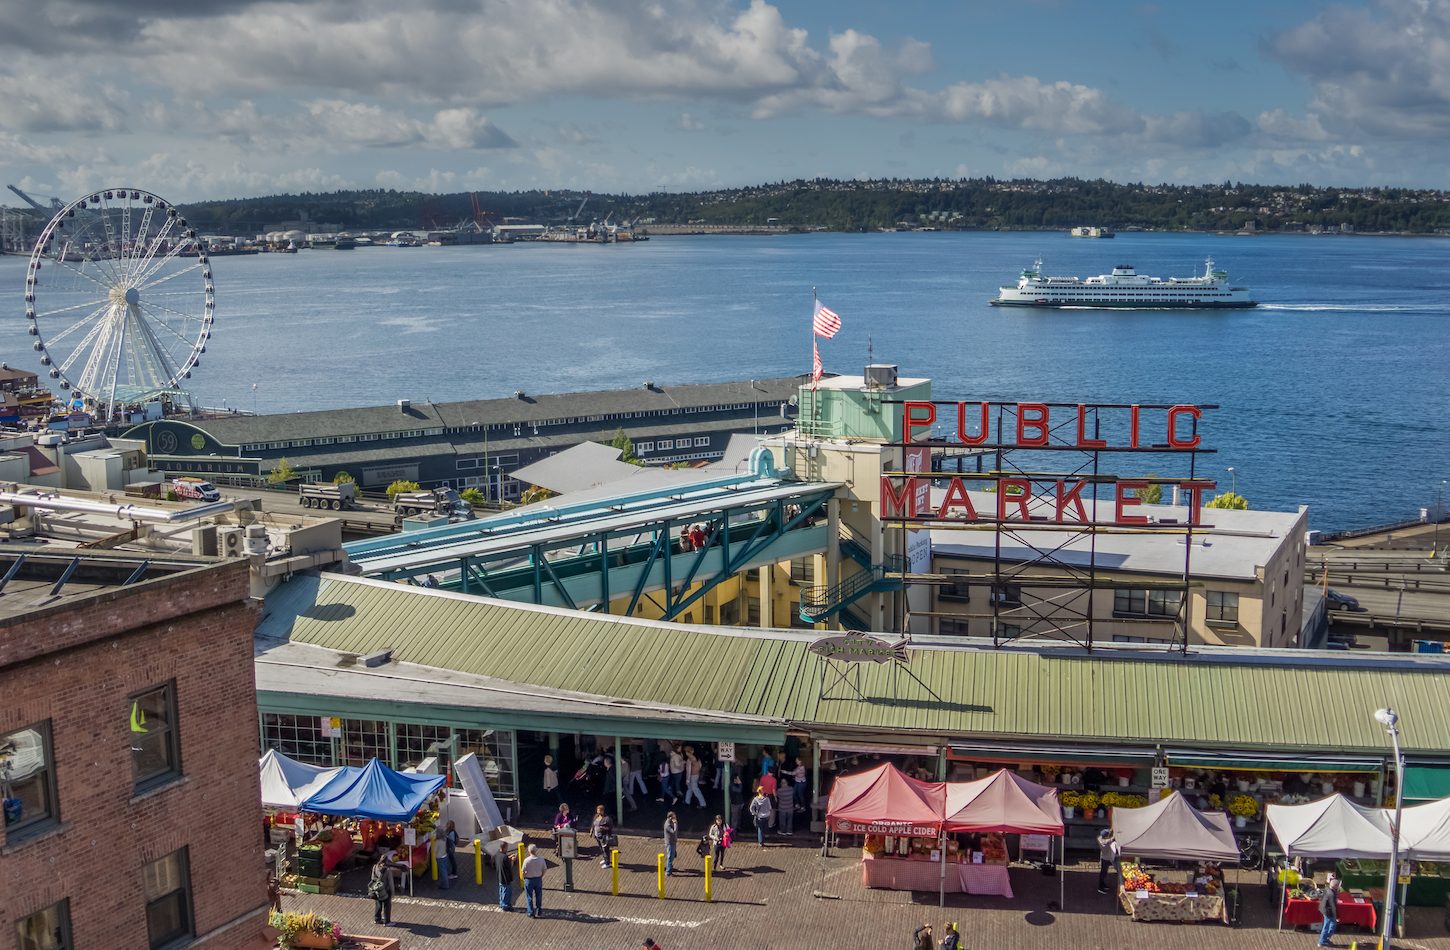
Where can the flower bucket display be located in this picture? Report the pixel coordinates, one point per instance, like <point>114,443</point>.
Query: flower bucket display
<point>1240,821</point>
<point>305,930</point>
<point>1358,789</point>
<point>1243,785</point>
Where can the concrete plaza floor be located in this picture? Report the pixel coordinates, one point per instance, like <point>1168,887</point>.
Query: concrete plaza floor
<point>787,896</point>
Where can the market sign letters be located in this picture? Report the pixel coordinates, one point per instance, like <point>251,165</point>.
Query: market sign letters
<point>1026,498</point>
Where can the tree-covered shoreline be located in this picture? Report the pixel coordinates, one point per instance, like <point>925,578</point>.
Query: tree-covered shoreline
<point>832,205</point>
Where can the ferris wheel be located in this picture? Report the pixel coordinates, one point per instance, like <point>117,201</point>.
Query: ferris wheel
<point>119,299</point>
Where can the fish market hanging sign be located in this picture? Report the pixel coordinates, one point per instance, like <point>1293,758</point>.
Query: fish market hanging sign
<point>859,648</point>
<point>1026,497</point>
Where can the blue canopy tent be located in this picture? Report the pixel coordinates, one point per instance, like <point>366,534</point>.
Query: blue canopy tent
<point>374,791</point>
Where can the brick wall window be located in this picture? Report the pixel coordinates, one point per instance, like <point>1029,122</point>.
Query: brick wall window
<point>364,740</point>
<point>1223,606</point>
<point>297,737</point>
<point>47,929</point>
<point>155,750</point>
<point>27,782</point>
<point>168,900</point>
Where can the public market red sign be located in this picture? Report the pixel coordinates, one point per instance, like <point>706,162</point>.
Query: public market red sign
<point>1024,499</point>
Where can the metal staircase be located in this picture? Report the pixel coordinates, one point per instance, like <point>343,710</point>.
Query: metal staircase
<point>821,603</point>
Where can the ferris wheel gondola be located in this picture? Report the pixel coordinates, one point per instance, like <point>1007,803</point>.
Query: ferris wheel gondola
<point>113,303</point>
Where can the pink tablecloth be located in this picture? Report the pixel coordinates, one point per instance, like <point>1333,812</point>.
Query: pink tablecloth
<point>902,874</point>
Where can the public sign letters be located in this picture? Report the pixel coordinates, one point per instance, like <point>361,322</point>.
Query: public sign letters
<point>1026,498</point>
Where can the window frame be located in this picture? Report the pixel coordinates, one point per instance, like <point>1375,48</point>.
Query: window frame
<point>62,906</point>
<point>188,929</point>
<point>1221,609</point>
<point>153,780</point>
<point>957,592</point>
<point>25,829</point>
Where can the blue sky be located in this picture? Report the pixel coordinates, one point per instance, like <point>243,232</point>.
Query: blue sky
<point>244,97</point>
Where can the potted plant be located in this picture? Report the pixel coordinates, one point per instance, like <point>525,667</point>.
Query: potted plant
<point>1088,802</point>
<point>1069,801</point>
<point>305,930</point>
<point>1243,807</point>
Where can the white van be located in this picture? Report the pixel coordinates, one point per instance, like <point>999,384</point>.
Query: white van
<point>197,488</point>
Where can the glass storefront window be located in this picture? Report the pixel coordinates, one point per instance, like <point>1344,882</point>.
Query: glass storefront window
<point>297,737</point>
<point>364,740</point>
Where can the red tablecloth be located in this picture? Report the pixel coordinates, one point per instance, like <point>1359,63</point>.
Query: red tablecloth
<point>1354,911</point>
<point>904,874</point>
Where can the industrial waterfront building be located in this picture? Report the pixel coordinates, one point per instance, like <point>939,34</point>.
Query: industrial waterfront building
<point>476,444</point>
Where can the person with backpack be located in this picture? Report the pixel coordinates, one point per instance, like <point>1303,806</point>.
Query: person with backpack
<point>953,938</point>
<point>380,889</point>
<point>602,828</point>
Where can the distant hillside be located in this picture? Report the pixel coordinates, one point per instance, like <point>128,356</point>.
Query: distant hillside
<point>974,204</point>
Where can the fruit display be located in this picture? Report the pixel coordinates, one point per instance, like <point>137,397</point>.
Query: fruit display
<point>1136,879</point>
<point>994,849</point>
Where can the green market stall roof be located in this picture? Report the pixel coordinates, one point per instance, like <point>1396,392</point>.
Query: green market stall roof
<point>953,690</point>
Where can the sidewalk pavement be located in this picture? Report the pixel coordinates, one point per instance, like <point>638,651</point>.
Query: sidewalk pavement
<point>787,896</point>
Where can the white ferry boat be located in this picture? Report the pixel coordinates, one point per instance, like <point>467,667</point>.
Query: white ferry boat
<point>1124,288</point>
<point>1091,232</point>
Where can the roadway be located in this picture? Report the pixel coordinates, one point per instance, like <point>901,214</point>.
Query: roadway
<point>1402,587</point>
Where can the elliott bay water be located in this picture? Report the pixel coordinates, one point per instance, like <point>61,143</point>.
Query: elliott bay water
<point>1333,392</point>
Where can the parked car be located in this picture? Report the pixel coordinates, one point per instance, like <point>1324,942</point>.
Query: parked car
<point>1338,601</point>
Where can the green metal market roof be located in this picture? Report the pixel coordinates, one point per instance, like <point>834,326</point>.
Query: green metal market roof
<point>1214,699</point>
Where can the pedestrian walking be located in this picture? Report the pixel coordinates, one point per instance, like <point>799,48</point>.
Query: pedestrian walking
<point>692,778</point>
<point>768,784</point>
<point>1329,909</point>
<point>450,849</point>
<point>663,774</point>
<point>760,811</point>
<point>1108,850</point>
<point>506,872</point>
<point>551,781</point>
<point>534,867</point>
<point>717,835</point>
<point>785,807</point>
<point>737,798</point>
<point>677,772</point>
<point>672,842</point>
<point>602,828</point>
<point>636,772</point>
<point>626,784</point>
<point>923,939</point>
<point>951,937</point>
<point>381,887</point>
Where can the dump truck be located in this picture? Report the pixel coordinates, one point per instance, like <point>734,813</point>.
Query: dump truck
<point>341,496</point>
<point>434,501</point>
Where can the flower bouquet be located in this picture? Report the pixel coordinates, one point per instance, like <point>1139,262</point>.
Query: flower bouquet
<point>1069,802</point>
<point>1243,807</point>
<point>1088,802</point>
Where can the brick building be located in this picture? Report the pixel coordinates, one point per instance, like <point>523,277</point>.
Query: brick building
<point>128,753</point>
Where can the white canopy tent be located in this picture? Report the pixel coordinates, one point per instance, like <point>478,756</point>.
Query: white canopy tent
<point>286,783</point>
<point>1171,828</point>
<point>1332,827</point>
<point>1425,831</point>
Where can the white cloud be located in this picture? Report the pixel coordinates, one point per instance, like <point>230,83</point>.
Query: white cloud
<point>689,123</point>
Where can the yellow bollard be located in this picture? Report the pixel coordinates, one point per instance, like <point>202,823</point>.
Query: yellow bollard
<point>614,870</point>
<point>660,874</point>
<point>478,860</point>
<point>433,858</point>
<point>521,864</point>
<point>709,877</point>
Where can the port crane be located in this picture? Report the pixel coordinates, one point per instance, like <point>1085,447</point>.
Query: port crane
<point>574,218</point>
<point>55,203</point>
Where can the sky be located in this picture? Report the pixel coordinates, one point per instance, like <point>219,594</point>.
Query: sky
<point>195,99</point>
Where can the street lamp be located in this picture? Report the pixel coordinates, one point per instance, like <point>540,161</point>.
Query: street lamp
<point>1233,480</point>
<point>1390,720</point>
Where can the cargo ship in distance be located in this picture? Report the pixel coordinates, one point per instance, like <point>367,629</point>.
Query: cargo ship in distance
<point>1126,289</point>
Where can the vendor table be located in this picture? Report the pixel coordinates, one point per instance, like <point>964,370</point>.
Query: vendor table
<point>1155,906</point>
<point>1425,890</point>
<point>906,874</point>
<point>1355,911</point>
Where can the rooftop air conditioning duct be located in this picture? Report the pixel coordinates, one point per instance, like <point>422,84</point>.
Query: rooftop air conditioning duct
<point>881,376</point>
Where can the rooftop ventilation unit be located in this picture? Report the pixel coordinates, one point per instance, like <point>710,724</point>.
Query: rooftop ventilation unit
<point>404,405</point>
<point>881,376</point>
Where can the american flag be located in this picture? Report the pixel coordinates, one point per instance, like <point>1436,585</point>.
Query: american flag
<point>816,369</point>
<point>826,321</point>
